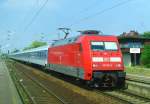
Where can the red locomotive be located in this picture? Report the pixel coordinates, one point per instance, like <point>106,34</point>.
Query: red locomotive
<point>94,58</point>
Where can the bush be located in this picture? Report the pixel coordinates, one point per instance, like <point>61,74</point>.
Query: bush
<point>148,65</point>
<point>145,58</point>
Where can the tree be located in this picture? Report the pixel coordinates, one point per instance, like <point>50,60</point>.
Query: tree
<point>27,48</point>
<point>35,44</point>
<point>146,34</point>
<point>145,58</point>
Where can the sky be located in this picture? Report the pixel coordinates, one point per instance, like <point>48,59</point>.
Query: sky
<point>23,21</point>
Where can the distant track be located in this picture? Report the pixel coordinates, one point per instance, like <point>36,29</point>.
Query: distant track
<point>140,79</point>
<point>131,96</point>
<point>126,97</point>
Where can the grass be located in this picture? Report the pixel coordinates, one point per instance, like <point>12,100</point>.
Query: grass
<point>139,70</point>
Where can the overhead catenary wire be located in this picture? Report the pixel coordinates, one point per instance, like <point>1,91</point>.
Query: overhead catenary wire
<point>35,16</point>
<point>86,9</point>
<point>100,12</point>
<point>91,6</point>
<point>27,15</point>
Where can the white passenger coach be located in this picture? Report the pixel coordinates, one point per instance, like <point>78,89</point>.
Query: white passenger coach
<point>36,56</point>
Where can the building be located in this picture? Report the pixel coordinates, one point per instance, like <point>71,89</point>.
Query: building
<point>132,45</point>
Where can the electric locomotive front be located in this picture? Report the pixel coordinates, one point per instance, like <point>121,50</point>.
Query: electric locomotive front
<point>102,59</point>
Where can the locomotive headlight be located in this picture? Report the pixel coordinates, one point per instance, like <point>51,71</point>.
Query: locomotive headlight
<point>94,65</point>
<point>97,59</point>
<point>118,65</point>
<point>115,59</point>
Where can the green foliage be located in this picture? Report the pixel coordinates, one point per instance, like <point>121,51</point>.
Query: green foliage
<point>146,34</point>
<point>27,48</point>
<point>35,44</point>
<point>145,59</point>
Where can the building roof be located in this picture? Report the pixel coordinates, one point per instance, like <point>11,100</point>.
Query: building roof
<point>132,36</point>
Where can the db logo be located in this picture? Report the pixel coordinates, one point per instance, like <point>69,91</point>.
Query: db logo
<point>106,59</point>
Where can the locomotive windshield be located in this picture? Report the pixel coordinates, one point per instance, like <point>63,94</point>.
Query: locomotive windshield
<point>104,46</point>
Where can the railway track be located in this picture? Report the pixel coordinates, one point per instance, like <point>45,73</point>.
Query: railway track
<point>125,97</point>
<point>137,92</point>
<point>140,79</point>
<point>41,95</point>
<point>129,97</point>
<point>139,85</point>
<point>37,93</point>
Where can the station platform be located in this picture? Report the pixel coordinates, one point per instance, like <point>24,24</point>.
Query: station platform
<point>8,92</point>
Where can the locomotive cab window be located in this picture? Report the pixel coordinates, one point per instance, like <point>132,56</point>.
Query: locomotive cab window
<point>111,46</point>
<point>104,46</point>
<point>97,45</point>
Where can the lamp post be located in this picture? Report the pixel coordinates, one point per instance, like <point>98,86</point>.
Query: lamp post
<point>9,34</point>
<point>42,37</point>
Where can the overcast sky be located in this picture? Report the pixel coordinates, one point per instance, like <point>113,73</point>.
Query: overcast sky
<point>16,15</point>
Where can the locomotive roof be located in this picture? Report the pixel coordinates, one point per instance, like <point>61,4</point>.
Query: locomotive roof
<point>72,40</point>
<point>33,50</point>
<point>65,41</point>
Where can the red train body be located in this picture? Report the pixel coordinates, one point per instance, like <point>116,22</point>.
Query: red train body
<point>97,59</point>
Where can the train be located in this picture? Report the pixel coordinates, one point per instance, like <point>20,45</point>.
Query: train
<point>93,58</point>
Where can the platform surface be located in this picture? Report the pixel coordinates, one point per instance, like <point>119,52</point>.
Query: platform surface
<point>8,92</point>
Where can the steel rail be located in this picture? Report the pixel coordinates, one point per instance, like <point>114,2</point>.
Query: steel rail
<point>41,86</point>
<point>126,97</point>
